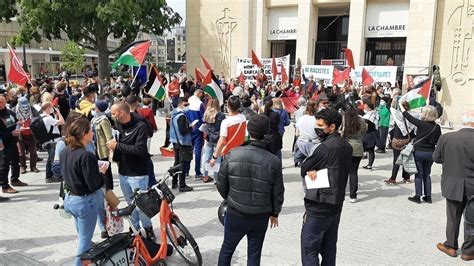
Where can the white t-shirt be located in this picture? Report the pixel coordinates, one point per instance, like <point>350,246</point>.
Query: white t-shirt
<point>50,121</point>
<point>230,121</point>
<point>305,126</point>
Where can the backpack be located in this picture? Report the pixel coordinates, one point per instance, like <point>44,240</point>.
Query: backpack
<point>38,128</point>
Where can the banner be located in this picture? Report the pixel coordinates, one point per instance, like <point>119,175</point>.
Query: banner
<point>378,73</point>
<point>244,65</point>
<point>319,72</point>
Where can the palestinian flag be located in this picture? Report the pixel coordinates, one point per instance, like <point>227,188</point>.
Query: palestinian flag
<point>154,86</point>
<point>418,96</point>
<point>211,87</point>
<point>134,55</point>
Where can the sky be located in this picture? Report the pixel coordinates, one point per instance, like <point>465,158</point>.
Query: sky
<point>180,7</point>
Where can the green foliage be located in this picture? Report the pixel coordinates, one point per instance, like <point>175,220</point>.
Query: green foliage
<point>7,10</point>
<point>72,57</point>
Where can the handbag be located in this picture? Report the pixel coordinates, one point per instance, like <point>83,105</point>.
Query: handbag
<point>113,225</point>
<point>112,199</point>
<point>399,144</point>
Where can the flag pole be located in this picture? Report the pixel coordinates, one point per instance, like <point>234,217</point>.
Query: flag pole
<point>136,74</point>
<point>16,58</point>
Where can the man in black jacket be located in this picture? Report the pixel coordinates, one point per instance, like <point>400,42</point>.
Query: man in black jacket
<point>324,205</point>
<point>131,155</point>
<point>250,179</point>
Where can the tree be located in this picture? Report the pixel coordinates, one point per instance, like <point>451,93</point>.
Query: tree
<point>90,23</point>
<point>72,57</point>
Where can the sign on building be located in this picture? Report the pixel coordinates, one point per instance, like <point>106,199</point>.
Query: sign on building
<point>282,23</point>
<point>387,19</point>
<point>244,65</point>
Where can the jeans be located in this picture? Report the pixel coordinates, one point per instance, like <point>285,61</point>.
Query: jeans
<point>319,236</point>
<point>424,161</point>
<point>50,147</point>
<point>383,133</point>
<point>354,177</point>
<point>371,152</point>
<point>208,151</point>
<point>198,142</point>
<point>128,184</point>
<point>27,141</point>
<point>101,209</point>
<point>84,210</point>
<point>11,158</point>
<point>235,228</point>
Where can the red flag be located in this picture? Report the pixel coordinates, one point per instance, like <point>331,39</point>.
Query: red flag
<point>290,103</point>
<point>274,68</point>
<point>349,58</point>
<point>284,75</point>
<point>339,76</point>
<point>241,77</point>
<point>366,78</point>
<point>206,64</point>
<point>198,74</point>
<point>255,60</point>
<point>16,74</point>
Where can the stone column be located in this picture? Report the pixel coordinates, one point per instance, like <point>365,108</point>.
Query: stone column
<point>356,37</point>
<point>306,32</point>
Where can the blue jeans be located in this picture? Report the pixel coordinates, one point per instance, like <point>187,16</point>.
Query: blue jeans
<point>424,161</point>
<point>319,236</point>
<point>100,210</point>
<point>84,210</point>
<point>198,142</point>
<point>235,228</point>
<point>208,151</point>
<point>128,184</point>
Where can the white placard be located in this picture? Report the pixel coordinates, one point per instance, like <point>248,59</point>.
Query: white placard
<point>319,72</point>
<point>378,73</point>
<point>321,181</point>
<point>244,65</point>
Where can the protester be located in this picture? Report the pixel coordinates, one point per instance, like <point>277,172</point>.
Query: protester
<point>26,141</point>
<point>173,91</point>
<point>213,118</point>
<point>353,129</point>
<point>307,139</point>
<point>9,136</point>
<point>284,119</point>
<point>195,114</point>
<point>384,123</point>
<point>83,180</point>
<point>102,134</point>
<point>246,108</point>
<point>147,112</point>
<point>249,172</point>
<point>132,157</point>
<point>273,138</point>
<point>47,110</point>
<point>371,138</point>
<point>324,206</point>
<point>455,151</point>
<point>86,105</point>
<point>180,136</point>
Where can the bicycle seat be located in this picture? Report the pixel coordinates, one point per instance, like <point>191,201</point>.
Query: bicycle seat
<point>174,169</point>
<point>127,211</point>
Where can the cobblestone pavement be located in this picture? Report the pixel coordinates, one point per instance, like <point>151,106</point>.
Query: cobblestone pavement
<point>383,227</point>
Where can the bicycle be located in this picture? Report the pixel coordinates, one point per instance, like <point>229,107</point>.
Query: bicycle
<point>132,248</point>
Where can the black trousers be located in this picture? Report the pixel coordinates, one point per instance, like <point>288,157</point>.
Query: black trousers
<point>454,211</point>
<point>235,228</point>
<point>50,147</point>
<point>184,168</point>
<point>319,237</point>
<point>11,159</point>
<point>108,178</point>
<point>383,133</point>
<point>396,167</point>
<point>354,177</point>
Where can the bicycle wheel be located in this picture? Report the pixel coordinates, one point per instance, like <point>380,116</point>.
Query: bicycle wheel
<point>183,242</point>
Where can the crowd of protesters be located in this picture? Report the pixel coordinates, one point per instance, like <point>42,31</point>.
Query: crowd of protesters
<point>336,127</point>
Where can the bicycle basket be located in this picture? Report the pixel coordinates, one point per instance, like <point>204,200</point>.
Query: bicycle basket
<point>149,203</point>
<point>167,193</point>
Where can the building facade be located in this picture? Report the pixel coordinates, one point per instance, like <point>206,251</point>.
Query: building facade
<point>411,34</point>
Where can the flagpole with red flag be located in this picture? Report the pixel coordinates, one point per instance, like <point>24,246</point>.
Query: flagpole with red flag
<point>206,64</point>
<point>274,69</point>
<point>284,75</point>
<point>349,58</point>
<point>255,60</point>
<point>17,74</point>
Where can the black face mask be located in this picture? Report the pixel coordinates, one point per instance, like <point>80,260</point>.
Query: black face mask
<point>320,132</point>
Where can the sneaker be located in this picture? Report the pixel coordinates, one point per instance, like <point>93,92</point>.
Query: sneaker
<point>207,179</point>
<point>198,177</point>
<point>150,234</point>
<point>35,170</point>
<point>353,200</point>
<point>415,199</point>
<point>39,159</point>
<point>185,189</point>
<point>104,235</point>
<point>23,170</point>
<point>174,186</point>
<point>426,199</point>
<point>367,167</point>
<point>380,151</point>
<point>54,179</point>
<point>17,183</point>
<point>4,199</point>
<point>9,190</point>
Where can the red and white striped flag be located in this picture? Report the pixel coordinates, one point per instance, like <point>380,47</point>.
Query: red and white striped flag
<point>16,74</point>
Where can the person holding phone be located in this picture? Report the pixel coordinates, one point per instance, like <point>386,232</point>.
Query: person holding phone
<point>47,110</point>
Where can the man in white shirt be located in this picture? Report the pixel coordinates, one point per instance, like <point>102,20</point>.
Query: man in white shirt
<point>47,110</point>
